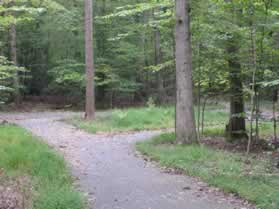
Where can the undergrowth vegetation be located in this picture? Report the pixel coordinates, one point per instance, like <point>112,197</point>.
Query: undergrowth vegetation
<point>253,178</point>
<point>23,155</point>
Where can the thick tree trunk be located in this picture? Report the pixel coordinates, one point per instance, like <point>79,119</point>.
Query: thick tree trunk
<point>13,47</point>
<point>89,61</point>
<point>236,128</point>
<point>185,119</point>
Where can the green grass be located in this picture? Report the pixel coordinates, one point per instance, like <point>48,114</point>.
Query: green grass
<point>132,119</point>
<point>229,171</point>
<point>23,155</point>
<point>136,119</point>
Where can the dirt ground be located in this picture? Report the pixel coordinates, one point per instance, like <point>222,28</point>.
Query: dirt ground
<point>15,193</point>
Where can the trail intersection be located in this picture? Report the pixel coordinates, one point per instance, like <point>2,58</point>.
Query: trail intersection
<point>108,170</point>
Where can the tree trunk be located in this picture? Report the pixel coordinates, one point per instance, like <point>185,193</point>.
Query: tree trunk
<point>17,97</point>
<point>199,93</point>
<point>236,128</point>
<point>185,118</point>
<point>203,115</point>
<point>89,61</point>
<point>254,72</point>
<point>257,113</point>
<point>158,60</point>
<point>274,101</point>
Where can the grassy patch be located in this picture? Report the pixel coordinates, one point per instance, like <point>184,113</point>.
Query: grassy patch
<point>229,171</point>
<point>152,118</point>
<point>132,119</point>
<point>136,119</point>
<point>23,155</point>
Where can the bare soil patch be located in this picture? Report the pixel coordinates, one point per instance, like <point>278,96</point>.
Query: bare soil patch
<point>15,193</point>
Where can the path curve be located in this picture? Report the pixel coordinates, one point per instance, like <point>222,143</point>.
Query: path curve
<point>110,173</point>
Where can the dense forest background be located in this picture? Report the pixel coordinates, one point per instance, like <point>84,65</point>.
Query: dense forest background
<point>235,44</point>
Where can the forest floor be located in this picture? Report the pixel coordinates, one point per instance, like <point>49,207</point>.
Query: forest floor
<point>114,176</point>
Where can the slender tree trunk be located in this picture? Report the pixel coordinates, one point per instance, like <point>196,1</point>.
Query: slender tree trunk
<point>185,118</point>
<point>1,51</point>
<point>145,61</point>
<point>254,72</point>
<point>13,44</point>
<point>158,60</point>
<point>274,106</point>
<point>203,114</point>
<point>275,100</point>
<point>199,113</point>
<point>89,61</point>
<point>257,110</point>
<point>17,97</point>
<point>199,94</point>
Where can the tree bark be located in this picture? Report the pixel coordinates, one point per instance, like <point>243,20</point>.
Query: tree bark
<point>17,97</point>
<point>254,72</point>
<point>158,60</point>
<point>185,118</point>
<point>236,128</point>
<point>274,101</point>
<point>199,92</point>
<point>203,114</point>
<point>89,61</point>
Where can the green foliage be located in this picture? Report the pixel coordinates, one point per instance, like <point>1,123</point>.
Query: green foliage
<point>23,155</point>
<point>161,67</point>
<point>8,71</point>
<point>15,12</point>
<point>273,83</point>
<point>50,31</point>
<point>229,171</point>
<point>137,9</point>
<point>67,74</point>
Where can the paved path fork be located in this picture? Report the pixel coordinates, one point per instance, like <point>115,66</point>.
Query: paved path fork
<point>108,170</point>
